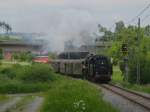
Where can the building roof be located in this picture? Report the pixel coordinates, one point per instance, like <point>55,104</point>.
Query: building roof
<point>20,43</point>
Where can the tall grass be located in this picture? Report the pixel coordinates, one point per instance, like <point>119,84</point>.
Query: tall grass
<point>12,87</point>
<point>3,97</point>
<point>69,95</point>
<point>25,79</point>
<point>117,75</point>
<point>118,79</point>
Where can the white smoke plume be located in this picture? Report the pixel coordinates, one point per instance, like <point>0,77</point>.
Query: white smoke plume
<point>66,20</point>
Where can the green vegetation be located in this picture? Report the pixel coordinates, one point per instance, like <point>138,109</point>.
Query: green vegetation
<point>118,79</point>
<point>3,98</point>
<point>22,57</point>
<point>25,79</point>
<point>61,93</point>
<point>137,41</point>
<point>52,55</point>
<point>117,75</point>
<point>10,38</point>
<point>69,95</point>
<point>1,54</point>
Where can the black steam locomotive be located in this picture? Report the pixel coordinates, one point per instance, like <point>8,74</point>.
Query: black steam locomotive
<point>91,67</point>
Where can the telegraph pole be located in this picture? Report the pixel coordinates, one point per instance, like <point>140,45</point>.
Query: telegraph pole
<point>138,52</point>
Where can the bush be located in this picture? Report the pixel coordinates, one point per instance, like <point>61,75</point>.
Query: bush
<point>7,73</point>
<point>36,73</point>
<point>22,56</point>
<point>11,72</point>
<point>144,69</point>
<point>25,79</point>
<point>29,73</point>
<point>15,86</point>
<point>1,54</point>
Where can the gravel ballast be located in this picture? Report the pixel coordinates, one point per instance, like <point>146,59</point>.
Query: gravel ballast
<point>121,103</point>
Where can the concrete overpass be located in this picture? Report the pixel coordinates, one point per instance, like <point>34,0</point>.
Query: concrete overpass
<point>10,47</point>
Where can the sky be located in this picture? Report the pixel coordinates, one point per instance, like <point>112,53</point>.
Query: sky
<point>66,20</point>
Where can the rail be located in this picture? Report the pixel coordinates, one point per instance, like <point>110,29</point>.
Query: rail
<point>142,100</point>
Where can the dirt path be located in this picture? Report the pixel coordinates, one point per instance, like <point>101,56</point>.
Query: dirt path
<point>19,103</point>
<point>9,104</point>
<point>34,105</point>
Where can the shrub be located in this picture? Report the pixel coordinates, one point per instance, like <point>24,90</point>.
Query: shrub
<point>29,73</point>
<point>36,73</point>
<point>25,79</point>
<point>15,86</point>
<point>22,56</point>
<point>144,69</point>
<point>11,72</point>
<point>1,54</point>
<point>7,73</point>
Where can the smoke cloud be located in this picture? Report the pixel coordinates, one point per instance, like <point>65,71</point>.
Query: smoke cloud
<point>64,20</point>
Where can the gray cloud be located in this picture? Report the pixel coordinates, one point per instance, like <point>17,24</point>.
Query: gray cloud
<point>66,19</point>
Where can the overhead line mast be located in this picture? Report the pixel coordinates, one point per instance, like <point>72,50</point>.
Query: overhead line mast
<point>138,53</point>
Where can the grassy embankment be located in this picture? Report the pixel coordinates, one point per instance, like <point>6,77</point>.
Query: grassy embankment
<point>62,94</point>
<point>118,79</point>
<point>70,95</point>
<point>25,78</point>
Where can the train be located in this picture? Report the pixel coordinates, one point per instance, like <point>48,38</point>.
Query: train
<point>97,68</point>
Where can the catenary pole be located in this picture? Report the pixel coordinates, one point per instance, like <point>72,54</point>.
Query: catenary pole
<point>138,52</point>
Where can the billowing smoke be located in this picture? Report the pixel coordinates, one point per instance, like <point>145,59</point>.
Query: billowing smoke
<point>63,20</point>
<point>77,26</point>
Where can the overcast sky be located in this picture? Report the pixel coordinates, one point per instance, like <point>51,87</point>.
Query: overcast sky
<point>64,19</point>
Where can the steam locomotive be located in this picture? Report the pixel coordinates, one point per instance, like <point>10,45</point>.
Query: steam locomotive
<point>91,67</point>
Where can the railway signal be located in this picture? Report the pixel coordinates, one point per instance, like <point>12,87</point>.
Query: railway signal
<point>125,49</point>
<point>125,53</point>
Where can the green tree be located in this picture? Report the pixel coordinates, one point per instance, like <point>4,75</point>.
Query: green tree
<point>107,34</point>
<point>1,54</point>
<point>6,27</point>
<point>147,30</point>
<point>119,26</point>
<point>136,51</point>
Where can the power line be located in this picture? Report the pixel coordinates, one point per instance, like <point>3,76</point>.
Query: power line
<point>147,16</point>
<point>136,17</point>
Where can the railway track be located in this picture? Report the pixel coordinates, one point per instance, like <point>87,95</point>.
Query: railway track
<point>141,100</point>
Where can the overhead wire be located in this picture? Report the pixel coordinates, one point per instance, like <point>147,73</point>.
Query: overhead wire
<point>141,13</point>
<point>147,16</point>
<point>136,17</point>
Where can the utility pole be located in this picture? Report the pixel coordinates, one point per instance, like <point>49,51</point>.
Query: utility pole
<point>138,52</point>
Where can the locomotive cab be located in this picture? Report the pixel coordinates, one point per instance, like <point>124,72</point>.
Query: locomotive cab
<point>102,68</point>
<point>99,68</point>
